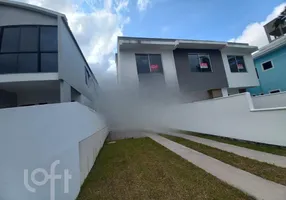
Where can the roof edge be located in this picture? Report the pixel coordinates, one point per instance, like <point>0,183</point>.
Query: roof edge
<point>30,7</point>
<point>270,47</point>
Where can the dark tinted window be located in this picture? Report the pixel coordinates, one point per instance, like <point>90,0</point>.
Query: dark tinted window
<point>142,62</point>
<point>199,63</point>
<point>240,64</point>
<point>49,39</point>
<point>267,65</point>
<point>236,64</point>
<point>10,40</point>
<point>155,63</point>
<point>205,63</point>
<point>8,63</point>
<point>49,62</point>
<point>232,63</point>
<point>29,39</point>
<point>194,62</point>
<point>27,63</point>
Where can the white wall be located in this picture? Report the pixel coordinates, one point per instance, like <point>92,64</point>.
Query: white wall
<point>128,69</point>
<point>270,100</point>
<point>231,116</point>
<point>72,64</point>
<point>88,151</point>
<point>15,16</point>
<point>35,136</point>
<point>236,80</point>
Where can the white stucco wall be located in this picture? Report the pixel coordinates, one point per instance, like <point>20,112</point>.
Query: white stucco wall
<point>72,64</point>
<point>127,67</point>
<point>243,79</point>
<point>88,151</point>
<point>36,136</point>
<point>270,100</point>
<point>231,116</point>
<point>16,16</point>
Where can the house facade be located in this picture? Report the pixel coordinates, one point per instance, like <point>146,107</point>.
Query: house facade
<point>40,60</point>
<point>196,69</point>
<point>270,63</point>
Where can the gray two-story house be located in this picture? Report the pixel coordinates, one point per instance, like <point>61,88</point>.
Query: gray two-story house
<point>40,60</point>
<point>198,69</point>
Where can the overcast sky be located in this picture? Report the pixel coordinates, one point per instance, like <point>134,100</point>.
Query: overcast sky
<point>97,23</point>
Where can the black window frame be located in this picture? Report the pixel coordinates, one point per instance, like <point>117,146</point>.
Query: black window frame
<point>198,55</point>
<point>38,51</point>
<point>269,61</point>
<point>161,70</point>
<point>238,70</point>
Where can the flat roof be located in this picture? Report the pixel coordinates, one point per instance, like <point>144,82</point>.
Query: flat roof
<point>167,43</point>
<point>178,39</point>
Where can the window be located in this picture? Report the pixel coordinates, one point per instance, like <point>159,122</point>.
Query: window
<point>267,65</point>
<point>236,64</point>
<point>49,62</point>
<point>49,39</point>
<point>274,91</point>
<point>149,63</point>
<point>200,62</point>
<point>87,76</point>
<point>10,40</point>
<point>21,52</point>
<point>27,63</point>
<point>28,39</point>
<point>8,63</point>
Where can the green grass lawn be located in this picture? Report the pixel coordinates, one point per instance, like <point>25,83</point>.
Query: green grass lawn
<point>142,169</point>
<point>264,170</point>
<point>251,145</point>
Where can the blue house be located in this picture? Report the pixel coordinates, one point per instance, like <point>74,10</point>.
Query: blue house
<point>270,64</point>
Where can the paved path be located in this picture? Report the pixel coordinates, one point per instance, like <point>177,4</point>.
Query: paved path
<point>277,160</point>
<point>245,181</point>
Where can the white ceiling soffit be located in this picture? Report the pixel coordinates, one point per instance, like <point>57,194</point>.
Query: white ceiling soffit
<point>239,48</point>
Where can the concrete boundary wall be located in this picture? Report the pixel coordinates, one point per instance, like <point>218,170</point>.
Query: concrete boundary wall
<point>36,137</point>
<point>270,100</point>
<point>233,116</point>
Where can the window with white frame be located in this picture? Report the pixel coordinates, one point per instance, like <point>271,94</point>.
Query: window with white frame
<point>200,62</point>
<point>267,65</point>
<point>236,63</point>
<point>149,63</point>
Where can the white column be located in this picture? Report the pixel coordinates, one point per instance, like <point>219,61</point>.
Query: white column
<point>224,92</point>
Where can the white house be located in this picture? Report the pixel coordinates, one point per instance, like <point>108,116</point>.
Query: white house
<point>40,60</point>
<point>48,122</point>
<point>198,69</point>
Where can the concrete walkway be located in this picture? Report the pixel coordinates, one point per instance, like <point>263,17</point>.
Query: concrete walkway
<point>277,160</point>
<point>247,182</point>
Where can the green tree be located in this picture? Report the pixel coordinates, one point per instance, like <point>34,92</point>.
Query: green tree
<point>280,20</point>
